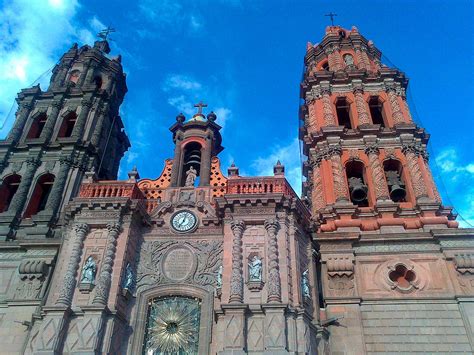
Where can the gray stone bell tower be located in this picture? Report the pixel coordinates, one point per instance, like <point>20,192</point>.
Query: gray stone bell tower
<point>58,134</point>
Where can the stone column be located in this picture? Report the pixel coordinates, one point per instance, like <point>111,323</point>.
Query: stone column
<point>205,171</point>
<point>101,117</point>
<point>412,152</point>
<point>317,192</point>
<point>176,162</point>
<point>365,58</point>
<point>360,60</point>
<point>56,194</point>
<point>331,59</point>
<point>78,129</point>
<point>21,118</point>
<point>361,106</point>
<point>103,285</point>
<point>397,114</point>
<point>341,191</point>
<point>273,282</point>
<point>84,74</point>
<point>60,76</point>
<point>237,280</point>
<point>429,175</point>
<point>19,199</point>
<point>69,282</point>
<point>329,118</point>
<point>337,58</point>
<point>378,174</point>
<point>51,120</point>
<point>405,104</point>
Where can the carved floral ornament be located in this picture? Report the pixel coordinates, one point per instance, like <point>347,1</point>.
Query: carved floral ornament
<point>403,276</point>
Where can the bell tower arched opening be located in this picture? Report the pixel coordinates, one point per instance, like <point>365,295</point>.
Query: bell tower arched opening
<point>357,185</point>
<point>395,182</point>
<point>191,161</point>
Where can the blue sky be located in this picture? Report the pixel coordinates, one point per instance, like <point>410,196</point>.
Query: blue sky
<point>245,59</point>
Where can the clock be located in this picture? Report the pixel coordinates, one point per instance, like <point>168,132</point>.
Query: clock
<point>184,221</point>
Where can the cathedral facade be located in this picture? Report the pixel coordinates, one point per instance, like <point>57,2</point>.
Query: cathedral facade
<point>367,261</point>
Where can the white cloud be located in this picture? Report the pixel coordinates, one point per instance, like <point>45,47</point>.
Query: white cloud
<point>223,115</point>
<point>288,156</point>
<point>33,36</point>
<point>455,180</point>
<point>181,82</point>
<point>182,105</point>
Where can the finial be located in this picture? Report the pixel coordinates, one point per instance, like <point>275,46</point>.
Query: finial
<point>199,115</point>
<point>180,118</point>
<point>331,15</point>
<point>309,45</point>
<point>212,116</point>
<point>233,171</point>
<point>133,175</point>
<point>278,169</point>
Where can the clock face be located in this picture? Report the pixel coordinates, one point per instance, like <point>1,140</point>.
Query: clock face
<point>183,221</point>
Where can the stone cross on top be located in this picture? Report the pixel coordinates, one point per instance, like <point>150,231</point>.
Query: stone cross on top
<point>331,15</point>
<point>104,34</point>
<point>200,105</point>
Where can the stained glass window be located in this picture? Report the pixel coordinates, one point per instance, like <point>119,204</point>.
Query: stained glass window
<point>172,326</point>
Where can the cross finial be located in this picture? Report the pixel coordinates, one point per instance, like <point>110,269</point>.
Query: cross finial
<point>331,15</point>
<point>104,34</point>
<point>200,105</point>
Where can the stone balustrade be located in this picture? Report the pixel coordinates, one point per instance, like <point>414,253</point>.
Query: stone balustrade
<point>108,189</point>
<point>259,185</point>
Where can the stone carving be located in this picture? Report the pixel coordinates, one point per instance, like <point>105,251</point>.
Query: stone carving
<point>348,60</point>
<point>305,284</point>
<point>191,175</point>
<point>340,271</point>
<point>412,152</point>
<point>236,281</point>
<point>378,175</point>
<point>255,269</point>
<point>274,283</point>
<point>103,285</point>
<point>89,271</point>
<point>152,257</point>
<point>178,263</point>
<point>32,275</point>
<point>464,263</point>
<point>341,286</point>
<point>65,294</point>
<point>219,277</point>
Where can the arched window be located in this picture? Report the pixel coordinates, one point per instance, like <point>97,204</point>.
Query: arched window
<point>37,126</point>
<point>192,159</point>
<point>7,190</point>
<point>376,111</point>
<point>357,186</point>
<point>74,76</point>
<point>325,66</point>
<point>40,195</point>
<point>343,111</point>
<point>98,82</point>
<point>396,185</point>
<point>67,125</point>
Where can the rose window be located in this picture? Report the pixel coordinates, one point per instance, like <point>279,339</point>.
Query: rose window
<point>172,326</point>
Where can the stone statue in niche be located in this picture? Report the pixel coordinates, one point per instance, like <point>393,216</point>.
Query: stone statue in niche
<point>349,60</point>
<point>191,175</point>
<point>89,270</point>
<point>219,277</point>
<point>305,284</point>
<point>255,269</point>
<point>129,278</point>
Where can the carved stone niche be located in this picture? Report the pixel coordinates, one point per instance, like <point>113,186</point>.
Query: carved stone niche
<point>255,284</point>
<point>32,275</point>
<point>340,269</point>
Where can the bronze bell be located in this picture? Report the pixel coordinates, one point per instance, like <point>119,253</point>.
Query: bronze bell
<point>397,193</point>
<point>357,189</point>
<point>397,189</point>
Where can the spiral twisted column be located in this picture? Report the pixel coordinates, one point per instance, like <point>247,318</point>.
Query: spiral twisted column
<point>69,282</point>
<point>21,118</point>
<point>19,199</point>
<point>378,174</point>
<point>237,280</point>
<point>361,106</point>
<point>317,195</point>
<point>429,174</point>
<point>341,190</point>
<point>397,114</point>
<point>105,278</point>
<point>328,114</point>
<point>412,153</point>
<point>274,282</point>
<point>51,120</point>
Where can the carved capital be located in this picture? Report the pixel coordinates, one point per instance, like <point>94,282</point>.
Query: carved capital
<point>114,227</point>
<point>32,163</point>
<point>272,225</point>
<point>56,104</point>
<point>412,148</point>
<point>81,228</point>
<point>372,149</point>
<point>325,90</point>
<point>238,227</point>
<point>334,150</point>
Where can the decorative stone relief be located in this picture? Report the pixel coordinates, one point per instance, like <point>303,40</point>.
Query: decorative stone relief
<point>340,271</point>
<point>159,263</point>
<point>274,283</point>
<point>402,275</point>
<point>305,285</point>
<point>255,270</point>
<point>464,263</point>
<point>412,152</point>
<point>31,277</point>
